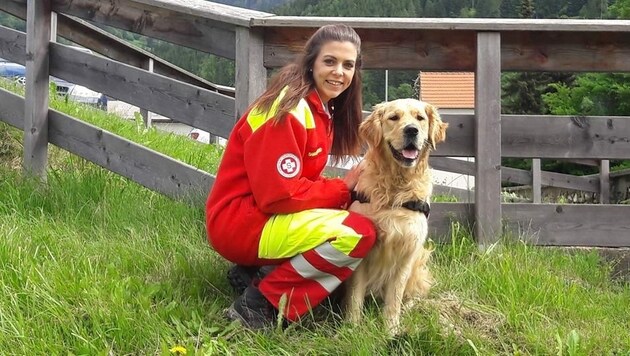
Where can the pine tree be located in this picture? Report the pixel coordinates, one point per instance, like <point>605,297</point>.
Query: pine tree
<point>527,9</point>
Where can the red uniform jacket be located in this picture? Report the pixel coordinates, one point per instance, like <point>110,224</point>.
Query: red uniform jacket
<point>268,168</point>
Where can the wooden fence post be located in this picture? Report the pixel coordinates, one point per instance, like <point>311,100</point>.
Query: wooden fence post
<point>251,74</point>
<point>536,181</point>
<point>38,22</point>
<point>146,115</point>
<point>604,181</point>
<point>488,138</point>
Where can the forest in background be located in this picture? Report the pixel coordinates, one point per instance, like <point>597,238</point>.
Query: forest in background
<point>522,92</point>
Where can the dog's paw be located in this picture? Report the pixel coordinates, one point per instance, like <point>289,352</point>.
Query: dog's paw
<point>393,328</point>
<point>353,317</point>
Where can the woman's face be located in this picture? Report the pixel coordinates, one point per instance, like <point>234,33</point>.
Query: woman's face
<point>334,68</point>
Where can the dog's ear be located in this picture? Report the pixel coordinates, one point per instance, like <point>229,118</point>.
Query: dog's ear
<point>437,128</point>
<point>371,129</point>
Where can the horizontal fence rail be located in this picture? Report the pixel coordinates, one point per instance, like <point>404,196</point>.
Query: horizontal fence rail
<point>87,35</point>
<point>259,41</point>
<point>146,167</point>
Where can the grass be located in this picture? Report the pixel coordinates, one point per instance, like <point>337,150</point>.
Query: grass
<point>94,264</point>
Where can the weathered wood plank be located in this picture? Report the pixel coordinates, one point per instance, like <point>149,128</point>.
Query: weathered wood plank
<point>586,162</point>
<point>186,29</point>
<point>251,75</point>
<point>144,166</point>
<point>12,45</point>
<point>488,138</point>
<point>621,173</point>
<point>230,15</point>
<point>460,137</point>
<point>381,49</point>
<point>151,169</point>
<point>551,179</point>
<point>454,24</point>
<point>198,107</point>
<point>570,225</point>
<point>453,165</point>
<point>211,10</point>
<point>568,181</point>
<point>566,51</point>
<point>87,35</point>
<point>35,159</point>
<point>12,109</point>
<point>441,49</point>
<point>448,216</point>
<point>565,136</point>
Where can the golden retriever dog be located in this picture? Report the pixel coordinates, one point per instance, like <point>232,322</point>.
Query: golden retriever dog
<point>394,189</point>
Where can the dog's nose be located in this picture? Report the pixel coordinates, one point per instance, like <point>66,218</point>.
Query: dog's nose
<point>410,130</point>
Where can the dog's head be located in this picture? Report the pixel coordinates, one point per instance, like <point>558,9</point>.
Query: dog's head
<point>406,129</point>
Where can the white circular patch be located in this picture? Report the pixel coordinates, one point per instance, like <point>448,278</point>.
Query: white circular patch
<point>288,165</point>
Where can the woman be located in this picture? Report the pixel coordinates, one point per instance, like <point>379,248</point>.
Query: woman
<point>270,205</point>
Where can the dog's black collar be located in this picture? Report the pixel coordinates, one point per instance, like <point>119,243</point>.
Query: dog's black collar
<point>415,205</point>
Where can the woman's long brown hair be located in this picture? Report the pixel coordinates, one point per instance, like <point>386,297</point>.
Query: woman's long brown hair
<point>298,78</point>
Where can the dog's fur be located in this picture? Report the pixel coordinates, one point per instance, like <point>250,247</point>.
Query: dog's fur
<point>400,135</point>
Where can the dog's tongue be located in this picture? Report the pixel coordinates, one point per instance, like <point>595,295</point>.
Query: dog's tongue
<point>410,154</point>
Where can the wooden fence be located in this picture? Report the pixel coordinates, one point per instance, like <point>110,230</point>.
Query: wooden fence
<point>259,41</point>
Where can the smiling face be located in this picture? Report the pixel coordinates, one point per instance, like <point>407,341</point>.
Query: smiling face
<point>334,68</point>
<point>403,129</point>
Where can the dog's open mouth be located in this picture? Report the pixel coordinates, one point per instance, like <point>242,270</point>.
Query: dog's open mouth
<point>407,155</point>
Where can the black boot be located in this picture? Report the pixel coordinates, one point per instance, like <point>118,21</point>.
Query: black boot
<point>253,310</point>
<point>240,277</point>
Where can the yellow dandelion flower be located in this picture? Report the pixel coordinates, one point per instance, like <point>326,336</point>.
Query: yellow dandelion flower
<point>180,350</point>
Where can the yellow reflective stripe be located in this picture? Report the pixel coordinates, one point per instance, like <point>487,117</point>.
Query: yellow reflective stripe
<point>288,235</point>
<point>257,118</point>
<point>302,112</point>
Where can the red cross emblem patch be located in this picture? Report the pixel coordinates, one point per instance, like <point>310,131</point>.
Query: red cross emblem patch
<point>288,165</point>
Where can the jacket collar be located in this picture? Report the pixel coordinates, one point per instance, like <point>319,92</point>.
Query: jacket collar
<point>316,102</point>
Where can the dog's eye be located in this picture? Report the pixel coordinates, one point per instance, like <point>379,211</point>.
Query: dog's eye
<point>394,118</point>
<point>420,117</point>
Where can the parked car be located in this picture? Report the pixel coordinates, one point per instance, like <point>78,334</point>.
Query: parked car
<point>73,91</point>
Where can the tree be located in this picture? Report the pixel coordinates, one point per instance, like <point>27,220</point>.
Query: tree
<point>574,7</point>
<point>526,9</point>
<point>488,8</point>
<point>592,94</point>
<point>434,8</point>
<point>509,8</point>
<point>551,9</point>
<point>594,9</point>
<point>620,9</point>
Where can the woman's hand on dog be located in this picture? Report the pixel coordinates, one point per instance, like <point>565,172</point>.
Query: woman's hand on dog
<point>352,177</point>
